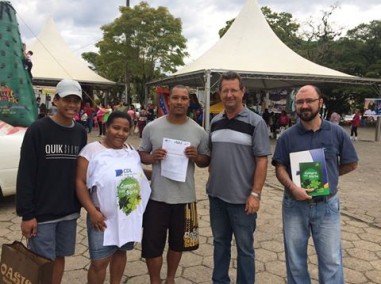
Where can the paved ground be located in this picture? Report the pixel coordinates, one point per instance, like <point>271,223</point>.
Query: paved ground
<point>361,230</point>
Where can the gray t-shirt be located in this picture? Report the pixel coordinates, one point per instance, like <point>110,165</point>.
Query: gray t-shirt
<point>235,143</point>
<point>164,189</point>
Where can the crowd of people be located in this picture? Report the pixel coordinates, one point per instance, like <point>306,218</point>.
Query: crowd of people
<point>92,115</point>
<point>59,173</point>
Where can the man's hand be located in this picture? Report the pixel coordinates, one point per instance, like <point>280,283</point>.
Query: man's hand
<point>300,193</point>
<point>29,228</point>
<point>252,205</point>
<point>192,153</point>
<point>158,155</point>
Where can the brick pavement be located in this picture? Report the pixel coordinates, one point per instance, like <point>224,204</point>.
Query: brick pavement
<point>361,231</point>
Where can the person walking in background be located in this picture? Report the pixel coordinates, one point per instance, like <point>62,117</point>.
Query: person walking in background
<point>150,113</point>
<point>335,118</point>
<point>283,120</point>
<point>132,113</point>
<point>89,110</point>
<point>355,124</point>
<point>195,109</point>
<point>112,230</point>
<point>142,120</point>
<point>239,149</point>
<point>83,118</point>
<point>267,118</point>
<point>120,107</point>
<point>283,123</point>
<point>107,110</point>
<point>100,115</point>
<point>173,199</point>
<point>304,215</point>
<point>42,111</point>
<point>45,190</point>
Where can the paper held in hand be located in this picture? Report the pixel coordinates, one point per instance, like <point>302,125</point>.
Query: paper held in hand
<point>175,165</point>
<point>309,170</point>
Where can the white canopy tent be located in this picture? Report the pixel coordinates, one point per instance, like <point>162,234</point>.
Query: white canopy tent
<point>252,49</point>
<point>53,60</point>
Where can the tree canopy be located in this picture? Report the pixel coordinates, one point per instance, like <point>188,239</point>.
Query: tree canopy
<point>140,45</point>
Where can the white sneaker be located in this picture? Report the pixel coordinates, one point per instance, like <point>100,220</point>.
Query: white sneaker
<point>355,138</point>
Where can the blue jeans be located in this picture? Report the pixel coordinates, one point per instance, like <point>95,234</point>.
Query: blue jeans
<point>56,239</point>
<point>227,219</point>
<point>90,123</point>
<point>322,220</point>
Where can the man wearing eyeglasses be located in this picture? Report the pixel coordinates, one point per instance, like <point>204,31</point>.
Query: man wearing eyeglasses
<point>304,215</point>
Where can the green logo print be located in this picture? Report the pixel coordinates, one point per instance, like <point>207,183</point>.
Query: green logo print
<point>129,195</point>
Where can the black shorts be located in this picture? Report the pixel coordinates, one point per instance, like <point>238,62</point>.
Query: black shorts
<point>160,217</point>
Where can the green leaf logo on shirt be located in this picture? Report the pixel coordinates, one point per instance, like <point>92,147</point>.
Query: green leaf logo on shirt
<point>129,195</point>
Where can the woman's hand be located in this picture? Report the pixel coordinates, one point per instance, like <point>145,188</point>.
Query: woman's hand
<point>98,220</point>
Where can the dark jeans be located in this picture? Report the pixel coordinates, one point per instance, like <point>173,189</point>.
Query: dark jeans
<point>141,125</point>
<point>89,124</point>
<point>102,127</point>
<point>226,220</point>
<point>354,131</point>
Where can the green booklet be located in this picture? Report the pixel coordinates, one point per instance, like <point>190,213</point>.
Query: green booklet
<point>308,170</point>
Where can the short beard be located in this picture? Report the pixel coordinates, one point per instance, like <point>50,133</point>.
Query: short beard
<point>307,116</point>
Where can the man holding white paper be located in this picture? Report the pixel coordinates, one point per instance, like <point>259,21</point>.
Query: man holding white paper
<point>173,144</point>
<point>303,214</point>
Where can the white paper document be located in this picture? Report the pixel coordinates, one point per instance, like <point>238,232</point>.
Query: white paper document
<point>175,165</point>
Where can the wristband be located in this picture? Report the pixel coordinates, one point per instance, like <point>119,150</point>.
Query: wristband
<point>256,195</point>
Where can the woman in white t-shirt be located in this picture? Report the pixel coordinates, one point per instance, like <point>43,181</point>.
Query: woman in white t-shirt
<point>114,190</point>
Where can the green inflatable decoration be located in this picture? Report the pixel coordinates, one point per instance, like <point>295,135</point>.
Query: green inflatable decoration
<point>17,100</point>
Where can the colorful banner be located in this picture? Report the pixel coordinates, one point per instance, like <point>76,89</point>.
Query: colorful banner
<point>162,95</point>
<point>372,107</point>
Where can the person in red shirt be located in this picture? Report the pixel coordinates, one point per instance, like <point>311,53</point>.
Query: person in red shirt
<point>283,119</point>
<point>89,110</point>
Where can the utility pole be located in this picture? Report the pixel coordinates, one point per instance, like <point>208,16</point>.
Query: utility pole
<point>126,77</point>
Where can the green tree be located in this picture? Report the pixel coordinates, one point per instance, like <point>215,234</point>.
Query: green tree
<point>91,58</point>
<point>319,41</point>
<point>142,44</point>
<point>368,39</point>
<point>284,26</point>
<point>356,53</point>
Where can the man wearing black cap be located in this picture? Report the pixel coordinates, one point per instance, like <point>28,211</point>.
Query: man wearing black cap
<point>45,192</point>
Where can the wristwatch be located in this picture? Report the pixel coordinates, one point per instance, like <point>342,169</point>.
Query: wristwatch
<point>256,194</point>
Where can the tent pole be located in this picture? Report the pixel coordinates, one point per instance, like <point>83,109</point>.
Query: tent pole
<point>207,100</point>
<point>378,122</point>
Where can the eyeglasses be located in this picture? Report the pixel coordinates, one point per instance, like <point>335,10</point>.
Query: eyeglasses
<point>307,101</point>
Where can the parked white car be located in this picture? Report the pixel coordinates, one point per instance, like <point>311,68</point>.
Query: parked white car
<point>347,119</point>
<point>10,146</point>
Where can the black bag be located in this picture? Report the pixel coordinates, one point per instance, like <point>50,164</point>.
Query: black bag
<point>20,265</point>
